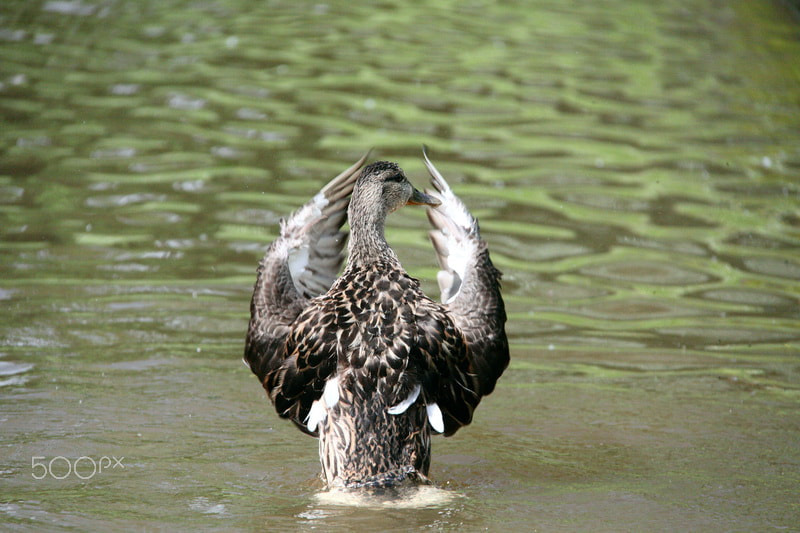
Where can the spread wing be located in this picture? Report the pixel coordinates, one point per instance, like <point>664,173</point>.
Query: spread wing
<point>301,263</point>
<point>470,285</point>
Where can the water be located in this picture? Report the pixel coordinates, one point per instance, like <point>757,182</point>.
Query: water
<point>635,170</point>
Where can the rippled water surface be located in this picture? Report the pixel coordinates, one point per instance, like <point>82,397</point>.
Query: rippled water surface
<point>635,168</point>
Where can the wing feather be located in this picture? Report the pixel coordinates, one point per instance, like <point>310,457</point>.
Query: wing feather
<point>300,264</point>
<point>470,287</point>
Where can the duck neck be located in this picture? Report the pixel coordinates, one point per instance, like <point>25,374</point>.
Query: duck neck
<point>367,244</point>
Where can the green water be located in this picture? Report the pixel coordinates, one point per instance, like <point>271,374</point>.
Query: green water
<point>634,166</point>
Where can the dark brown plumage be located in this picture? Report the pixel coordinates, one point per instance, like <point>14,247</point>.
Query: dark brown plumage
<point>367,362</point>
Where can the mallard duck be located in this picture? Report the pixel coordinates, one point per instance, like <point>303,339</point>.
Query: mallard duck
<point>366,361</point>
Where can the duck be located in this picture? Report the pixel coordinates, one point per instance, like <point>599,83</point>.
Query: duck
<point>365,361</point>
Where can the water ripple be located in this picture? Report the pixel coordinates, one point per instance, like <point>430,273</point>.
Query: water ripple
<point>647,272</point>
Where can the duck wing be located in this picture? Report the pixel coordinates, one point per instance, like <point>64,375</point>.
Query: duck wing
<point>301,263</point>
<point>470,287</point>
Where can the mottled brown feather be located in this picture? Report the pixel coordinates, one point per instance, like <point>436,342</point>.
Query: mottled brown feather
<point>375,331</point>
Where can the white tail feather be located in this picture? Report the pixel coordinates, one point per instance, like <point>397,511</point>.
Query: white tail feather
<point>319,409</point>
<point>316,414</point>
<point>401,407</point>
<point>331,392</point>
<point>435,417</point>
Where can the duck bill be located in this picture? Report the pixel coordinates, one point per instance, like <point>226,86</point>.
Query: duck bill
<point>420,198</point>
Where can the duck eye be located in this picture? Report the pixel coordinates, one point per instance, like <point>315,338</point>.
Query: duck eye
<point>397,178</point>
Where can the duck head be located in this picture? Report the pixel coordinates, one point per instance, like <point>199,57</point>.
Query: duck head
<point>384,186</point>
<point>381,188</point>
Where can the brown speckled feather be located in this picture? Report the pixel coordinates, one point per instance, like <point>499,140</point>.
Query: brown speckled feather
<point>371,364</point>
<point>470,286</point>
<point>280,295</point>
